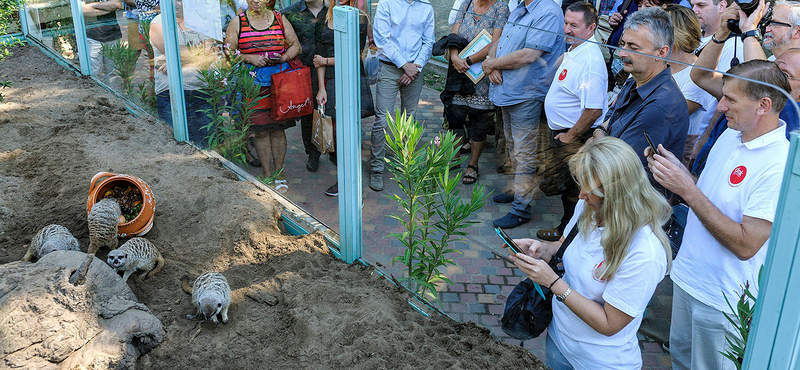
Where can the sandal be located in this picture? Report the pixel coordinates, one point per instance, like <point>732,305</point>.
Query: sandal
<point>281,186</point>
<point>551,235</point>
<point>470,178</point>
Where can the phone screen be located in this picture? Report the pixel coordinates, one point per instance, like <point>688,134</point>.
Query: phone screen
<point>509,242</point>
<point>649,141</point>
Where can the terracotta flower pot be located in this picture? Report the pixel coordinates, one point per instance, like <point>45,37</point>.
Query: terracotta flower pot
<point>143,222</point>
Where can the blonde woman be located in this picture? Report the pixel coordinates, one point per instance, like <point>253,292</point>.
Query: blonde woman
<point>612,266</point>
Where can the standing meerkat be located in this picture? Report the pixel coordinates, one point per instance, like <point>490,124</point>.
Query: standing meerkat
<point>103,226</point>
<point>51,238</point>
<point>137,254</point>
<point>211,294</point>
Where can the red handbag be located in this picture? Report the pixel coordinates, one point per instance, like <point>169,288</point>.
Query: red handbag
<point>291,90</point>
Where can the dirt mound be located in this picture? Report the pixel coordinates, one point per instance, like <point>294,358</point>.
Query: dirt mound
<point>293,304</point>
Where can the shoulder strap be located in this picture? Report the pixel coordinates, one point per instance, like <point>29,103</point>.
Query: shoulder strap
<point>556,259</point>
<point>280,20</point>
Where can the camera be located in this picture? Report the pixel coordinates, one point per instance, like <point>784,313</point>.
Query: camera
<point>748,7</point>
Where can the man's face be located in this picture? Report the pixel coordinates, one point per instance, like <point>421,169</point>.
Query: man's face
<point>789,63</point>
<point>708,14</point>
<point>638,41</point>
<point>778,34</point>
<point>738,108</point>
<point>575,26</point>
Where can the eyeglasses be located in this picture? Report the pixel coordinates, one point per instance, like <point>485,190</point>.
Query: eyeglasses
<point>776,23</point>
<point>790,77</point>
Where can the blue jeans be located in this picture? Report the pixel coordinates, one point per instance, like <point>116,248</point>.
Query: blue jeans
<point>555,359</point>
<point>195,117</point>
<point>521,127</point>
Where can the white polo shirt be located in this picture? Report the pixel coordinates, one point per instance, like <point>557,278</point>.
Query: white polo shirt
<point>739,179</point>
<point>581,82</point>
<point>694,93</point>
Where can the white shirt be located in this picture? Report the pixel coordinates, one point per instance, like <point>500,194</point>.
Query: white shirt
<point>581,82</point>
<point>403,31</point>
<point>629,291</point>
<point>724,64</point>
<point>694,93</point>
<point>739,179</point>
<point>191,75</point>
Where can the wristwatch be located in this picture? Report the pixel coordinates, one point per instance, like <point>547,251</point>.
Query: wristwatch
<point>469,61</point>
<point>754,33</point>
<point>563,296</point>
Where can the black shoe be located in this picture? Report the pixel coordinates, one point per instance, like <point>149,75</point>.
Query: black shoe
<point>333,190</point>
<point>313,163</point>
<point>510,221</point>
<point>332,157</point>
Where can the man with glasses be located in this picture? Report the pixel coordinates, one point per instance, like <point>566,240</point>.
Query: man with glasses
<point>783,30</point>
<point>651,101</point>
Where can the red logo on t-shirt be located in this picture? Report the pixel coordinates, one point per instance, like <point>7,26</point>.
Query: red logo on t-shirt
<point>563,75</point>
<point>737,176</point>
<point>596,271</point>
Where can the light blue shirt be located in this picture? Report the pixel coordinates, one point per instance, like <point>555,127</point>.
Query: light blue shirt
<point>403,31</point>
<point>539,26</point>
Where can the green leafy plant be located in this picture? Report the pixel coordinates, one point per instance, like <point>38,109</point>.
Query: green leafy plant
<point>231,91</point>
<point>123,58</point>
<point>145,91</point>
<point>434,212</point>
<point>741,319</point>
<point>9,11</point>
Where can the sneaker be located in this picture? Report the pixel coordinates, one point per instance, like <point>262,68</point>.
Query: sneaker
<point>313,163</point>
<point>333,190</point>
<point>510,221</point>
<point>376,181</point>
<point>506,197</point>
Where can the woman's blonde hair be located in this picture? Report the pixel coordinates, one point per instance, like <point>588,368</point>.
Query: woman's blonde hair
<point>610,169</point>
<point>686,27</point>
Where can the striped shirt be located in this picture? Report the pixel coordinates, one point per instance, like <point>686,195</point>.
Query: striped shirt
<point>252,40</point>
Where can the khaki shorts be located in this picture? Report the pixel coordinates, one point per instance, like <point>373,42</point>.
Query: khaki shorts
<point>133,35</point>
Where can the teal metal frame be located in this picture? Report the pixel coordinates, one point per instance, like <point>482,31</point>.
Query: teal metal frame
<point>774,340</point>
<point>177,100</point>
<point>23,18</point>
<point>80,37</point>
<point>348,138</point>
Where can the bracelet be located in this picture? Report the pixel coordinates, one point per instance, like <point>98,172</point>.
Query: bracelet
<point>716,41</point>
<point>601,128</point>
<point>469,61</point>
<point>553,283</point>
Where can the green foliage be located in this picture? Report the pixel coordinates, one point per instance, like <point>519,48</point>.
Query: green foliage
<point>9,10</point>
<point>434,213</point>
<point>146,92</point>
<point>231,91</point>
<point>741,319</point>
<point>123,57</point>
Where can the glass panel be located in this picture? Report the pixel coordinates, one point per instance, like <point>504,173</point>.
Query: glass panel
<point>51,23</point>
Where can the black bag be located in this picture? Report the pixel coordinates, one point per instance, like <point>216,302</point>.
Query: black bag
<point>675,226</point>
<point>527,314</point>
<point>367,103</point>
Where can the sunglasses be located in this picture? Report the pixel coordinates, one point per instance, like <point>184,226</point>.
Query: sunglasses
<point>776,23</point>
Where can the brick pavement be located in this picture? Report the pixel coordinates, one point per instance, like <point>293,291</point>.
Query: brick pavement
<point>482,278</point>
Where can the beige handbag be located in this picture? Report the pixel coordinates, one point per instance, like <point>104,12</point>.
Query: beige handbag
<point>603,32</point>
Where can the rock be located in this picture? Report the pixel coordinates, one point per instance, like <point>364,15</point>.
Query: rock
<point>49,323</point>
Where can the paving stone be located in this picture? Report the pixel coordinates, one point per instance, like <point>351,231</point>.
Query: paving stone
<point>496,279</point>
<point>475,288</point>
<point>494,289</point>
<point>490,271</point>
<point>477,308</point>
<point>480,279</point>
<point>449,297</point>
<point>458,288</point>
<point>496,309</point>
<point>486,298</point>
<point>468,298</point>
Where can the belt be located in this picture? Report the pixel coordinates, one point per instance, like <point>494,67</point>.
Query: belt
<point>387,63</point>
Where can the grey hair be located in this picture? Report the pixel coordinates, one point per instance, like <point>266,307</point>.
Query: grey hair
<point>794,10</point>
<point>659,23</point>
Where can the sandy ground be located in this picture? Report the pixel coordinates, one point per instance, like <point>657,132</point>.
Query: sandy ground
<point>58,130</point>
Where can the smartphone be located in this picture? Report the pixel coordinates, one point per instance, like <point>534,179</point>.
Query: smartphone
<point>649,141</point>
<point>273,55</point>
<point>509,242</point>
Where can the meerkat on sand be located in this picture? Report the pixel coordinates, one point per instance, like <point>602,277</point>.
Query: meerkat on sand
<point>103,225</point>
<point>211,294</point>
<point>51,238</point>
<point>137,254</point>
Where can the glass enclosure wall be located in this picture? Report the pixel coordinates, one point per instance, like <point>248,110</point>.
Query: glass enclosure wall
<point>51,23</point>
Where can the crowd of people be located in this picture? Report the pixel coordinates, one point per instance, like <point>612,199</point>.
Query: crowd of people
<point>623,137</point>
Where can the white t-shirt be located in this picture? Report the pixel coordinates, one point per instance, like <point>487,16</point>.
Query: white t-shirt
<point>694,93</point>
<point>580,82</point>
<point>191,78</point>
<point>629,291</point>
<point>739,179</point>
<point>724,64</point>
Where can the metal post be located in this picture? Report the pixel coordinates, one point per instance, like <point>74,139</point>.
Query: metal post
<point>80,36</point>
<point>23,17</point>
<point>348,130</point>
<point>177,100</point>
<point>774,340</point>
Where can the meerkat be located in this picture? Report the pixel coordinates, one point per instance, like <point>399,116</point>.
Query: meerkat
<point>137,254</point>
<point>103,225</point>
<point>50,238</point>
<point>211,294</point>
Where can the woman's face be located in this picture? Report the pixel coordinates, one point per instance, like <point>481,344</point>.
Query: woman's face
<point>344,2</point>
<point>594,201</point>
<point>261,4</point>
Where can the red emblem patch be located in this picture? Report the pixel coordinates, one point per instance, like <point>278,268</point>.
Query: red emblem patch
<point>563,75</point>
<point>737,176</point>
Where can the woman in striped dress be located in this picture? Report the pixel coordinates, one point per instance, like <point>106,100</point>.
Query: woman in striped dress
<point>266,40</point>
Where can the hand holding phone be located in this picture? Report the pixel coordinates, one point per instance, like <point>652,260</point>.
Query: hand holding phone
<point>509,242</point>
<point>653,149</point>
<point>273,55</point>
